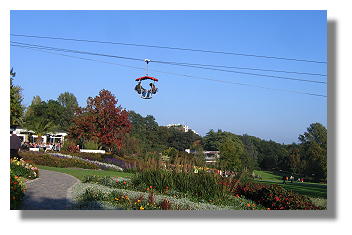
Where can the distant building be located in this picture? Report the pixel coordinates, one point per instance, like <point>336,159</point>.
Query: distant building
<point>29,136</point>
<point>209,156</point>
<point>181,127</point>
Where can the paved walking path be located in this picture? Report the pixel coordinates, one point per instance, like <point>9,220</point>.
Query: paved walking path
<point>51,191</point>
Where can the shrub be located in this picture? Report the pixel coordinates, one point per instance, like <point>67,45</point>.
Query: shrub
<point>23,169</point>
<point>201,185</point>
<point>91,145</point>
<point>17,189</point>
<point>274,197</point>
<point>70,146</point>
<point>48,160</point>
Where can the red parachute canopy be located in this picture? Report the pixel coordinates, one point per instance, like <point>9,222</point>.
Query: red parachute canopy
<point>146,77</point>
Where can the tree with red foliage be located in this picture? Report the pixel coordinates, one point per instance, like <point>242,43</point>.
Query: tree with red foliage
<point>101,121</point>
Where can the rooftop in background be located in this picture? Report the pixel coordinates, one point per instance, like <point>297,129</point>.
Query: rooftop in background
<point>181,127</point>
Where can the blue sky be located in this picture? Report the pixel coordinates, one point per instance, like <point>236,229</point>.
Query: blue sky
<point>201,104</point>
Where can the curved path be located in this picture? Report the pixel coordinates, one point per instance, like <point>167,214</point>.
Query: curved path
<point>51,191</point>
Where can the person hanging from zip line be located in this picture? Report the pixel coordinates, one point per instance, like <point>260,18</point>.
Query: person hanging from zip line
<point>153,88</point>
<point>139,88</point>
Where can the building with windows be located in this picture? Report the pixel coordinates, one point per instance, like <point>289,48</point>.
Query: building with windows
<point>30,137</point>
<point>210,157</point>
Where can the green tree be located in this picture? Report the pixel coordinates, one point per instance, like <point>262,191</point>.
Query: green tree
<point>68,100</point>
<point>147,131</point>
<point>314,151</point>
<point>52,111</point>
<point>250,159</point>
<point>181,140</point>
<point>231,152</point>
<point>295,163</point>
<point>36,100</point>
<point>16,107</point>
<point>40,126</point>
<point>70,105</point>
<point>211,141</point>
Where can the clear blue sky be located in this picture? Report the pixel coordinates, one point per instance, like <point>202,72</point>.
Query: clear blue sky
<point>202,105</point>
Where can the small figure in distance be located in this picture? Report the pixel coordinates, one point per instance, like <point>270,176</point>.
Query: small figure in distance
<point>291,179</point>
<point>284,179</point>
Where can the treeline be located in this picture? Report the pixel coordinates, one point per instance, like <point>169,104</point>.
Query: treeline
<point>103,124</point>
<point>308,158</point>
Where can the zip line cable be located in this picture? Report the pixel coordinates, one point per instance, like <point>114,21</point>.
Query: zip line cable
<point>254,74</point>
<point>176,74</point>
<point>136,59</point>
<point>76,51</point>
<point>171,48</point>
<point>247,68</point>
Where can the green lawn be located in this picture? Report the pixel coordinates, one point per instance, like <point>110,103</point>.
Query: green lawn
<point>80,173</point>
<point>306,188</point>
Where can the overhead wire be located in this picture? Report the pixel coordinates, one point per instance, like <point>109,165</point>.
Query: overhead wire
<point>254,74</point>
<point>246,68</point>
<point>171,48</point>
<point>176,74</point>
<point>165,62</point>
<point>221,66</point>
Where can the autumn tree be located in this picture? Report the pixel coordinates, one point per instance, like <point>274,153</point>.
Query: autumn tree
<point>102,121</point>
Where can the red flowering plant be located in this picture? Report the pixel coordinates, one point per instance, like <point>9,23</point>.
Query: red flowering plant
<point>17,189</point>
<point>274,197</point>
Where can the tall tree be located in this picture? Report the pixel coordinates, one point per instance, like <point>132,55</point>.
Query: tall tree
<point>231,152</point>
<point>294,159</point>
<point>16,107</point>
<point>68,100</point>
<point>36,100</point>
<point>314,150</point>
<point>102,121</point>
<point>211,141</point>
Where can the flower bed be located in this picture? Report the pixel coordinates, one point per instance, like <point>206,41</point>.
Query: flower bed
<point>17,189</point>
<point>126,184</point>
<point>274,197</point>
<point>101,165</point>
<point>23,169</point>
<point>49,160</point>
<point>105,158</point>
<point>93,196</point>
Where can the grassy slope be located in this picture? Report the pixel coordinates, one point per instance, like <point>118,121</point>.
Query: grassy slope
<point>80,173</point>
<point>309,189</point>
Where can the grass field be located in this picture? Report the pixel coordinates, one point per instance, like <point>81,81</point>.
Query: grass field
<point>306,188</point>
<point>80,173</point>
